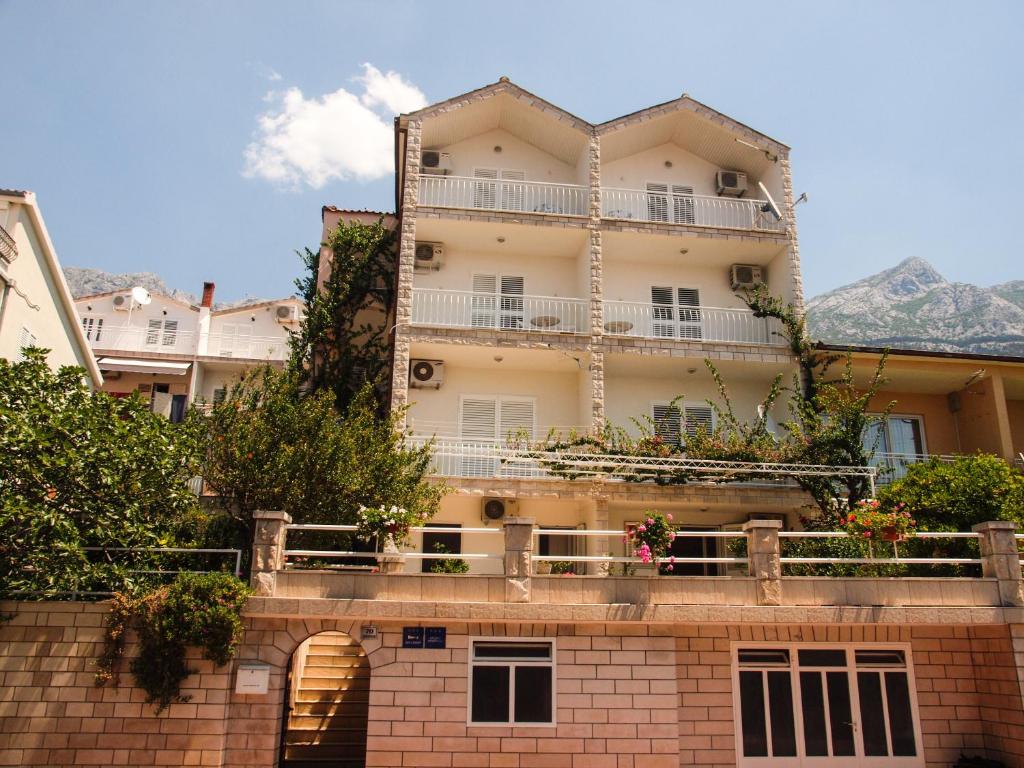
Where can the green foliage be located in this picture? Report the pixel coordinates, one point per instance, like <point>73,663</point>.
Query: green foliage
<point>198,610</point>
<point>344,340</point>
<point>269,446</point>
<point>83,469</point>
<point>448,564</point>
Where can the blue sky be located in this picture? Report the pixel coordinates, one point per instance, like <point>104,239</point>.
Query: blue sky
<point>185,138</point>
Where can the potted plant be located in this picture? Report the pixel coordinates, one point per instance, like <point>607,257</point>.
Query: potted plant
<point>651,539</point>
<point>389,525</point>
<point>872,521</point>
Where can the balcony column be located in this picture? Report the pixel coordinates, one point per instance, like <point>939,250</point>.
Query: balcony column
<point>597,391</point>
<point>1000,559</point>
<point>600,543</point>
<point>268,547</point>
<point>765,559</point>
<point>518,558</point>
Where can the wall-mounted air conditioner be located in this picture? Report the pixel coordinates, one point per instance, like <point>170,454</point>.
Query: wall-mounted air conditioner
<point>286,313</point>
<point>122,302</point>
<point>429,255</point>
<point>432,161</point>
<point>493,509</point>
<point>745,276</point>
<point>426,374</point>
<point>731,183</point>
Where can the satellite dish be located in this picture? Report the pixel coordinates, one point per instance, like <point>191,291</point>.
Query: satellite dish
<point>770,206</point>
<point>141,296</point>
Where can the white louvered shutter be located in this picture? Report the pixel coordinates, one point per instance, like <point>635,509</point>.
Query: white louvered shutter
<point>512,290</point>
<point>25,339</point>
<point>485,192</point>
<point>668,422</point>
<point>663,312</point>
<point>484,303</point>
<point>170,333</point>
<point>516,416</point>
<point>153,332</point>
<point>683,204</point>
<point>699,417</point>
<point>690,326</point>
<point>657,202</point>
<point>513,190</point>
<point>478,430</point>
<point>99,329</point>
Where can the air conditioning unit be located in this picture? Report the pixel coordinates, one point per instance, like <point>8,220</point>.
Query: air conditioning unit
<point>731,183</point>
<point>286,313</point>
<point>746,276</point>
<point>439,163</point>
<point>426,374</point>
<point>429,255</point>
<point>494,508</point>
<point>123,302</point>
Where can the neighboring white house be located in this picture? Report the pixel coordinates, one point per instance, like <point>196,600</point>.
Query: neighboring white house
<point>175,353</point>
<point>36,308</point>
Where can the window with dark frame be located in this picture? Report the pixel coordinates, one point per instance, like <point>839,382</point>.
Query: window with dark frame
<point>512,682</point>
<point>433,541</point>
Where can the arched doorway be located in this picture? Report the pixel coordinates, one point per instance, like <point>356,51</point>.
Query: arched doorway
<point>327,703</point>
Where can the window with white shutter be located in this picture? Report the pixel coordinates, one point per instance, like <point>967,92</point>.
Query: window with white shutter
<point>25,339</point>
<point>485,193</point>
<point>513,190</point>
<point>491,308</point>
<point>682,204</point>
<point>93,327</point>
<point>668,422</point>
<point>672,203</point>
<point>512,302</point>
<point>663,313</point>
<point>484,304</point>
<point>153,332</point>
<point>489,422</point>
<point>675,313</point>
<point>235,340</point>
<point>170,333</point>
<point>657,202</point>
<point>688,300</point>
<point>698,417</point>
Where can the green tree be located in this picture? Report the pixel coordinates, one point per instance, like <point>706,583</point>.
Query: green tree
<point>270,446</point>
<point>84,469</point>
<point>345,339</point>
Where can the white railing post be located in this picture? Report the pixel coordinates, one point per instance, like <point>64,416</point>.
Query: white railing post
<point>518,558</point>
<point>268,547</point>
<point>764,556</point>
<point>1000,559</point>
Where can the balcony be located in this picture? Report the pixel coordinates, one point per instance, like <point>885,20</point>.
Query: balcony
<point>664,321</point>
<point>247,347</point>
<point>8,248</point>
<point>689,210</point>
<point>503,195</point>
<point>137,339</point>
<point>499,312</point>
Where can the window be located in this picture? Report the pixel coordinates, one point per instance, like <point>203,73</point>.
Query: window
<point>25,339</point>
<point>162,333</point>
<point>694,546</point>
<point>670,202</point>
<point>511,682</point>
<point>897,443</point>
<point>671,422</point>
<point>436,542</point>
<point>506,196</point>
<point>841,704</point>
<point>488,421</point>
<point>93,327</point>
<point>497,302</point>
<point>220,395</point>
<point>675,313</point>
<point>561,545</point>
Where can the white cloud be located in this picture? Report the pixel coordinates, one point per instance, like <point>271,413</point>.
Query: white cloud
<point>334,137</point>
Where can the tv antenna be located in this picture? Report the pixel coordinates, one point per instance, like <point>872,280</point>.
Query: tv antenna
<point>139,296</point>
<point>769,206</point>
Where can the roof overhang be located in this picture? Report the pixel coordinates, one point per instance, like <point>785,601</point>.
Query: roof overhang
<point>129,365</point>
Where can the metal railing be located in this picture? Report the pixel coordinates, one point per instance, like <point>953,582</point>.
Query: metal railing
<point>8,247</point>
<point>503,195</point>
<point>424,429</point>
<point>632,559</point>
<point>247,347</point>
<point>880,546</point>
<point>692,210</point>
<point>664,321</point>
<point>503,312</point>
<point>138,339</point>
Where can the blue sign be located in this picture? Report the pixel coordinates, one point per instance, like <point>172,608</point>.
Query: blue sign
<point>436,637</point>
<point>412,637</point>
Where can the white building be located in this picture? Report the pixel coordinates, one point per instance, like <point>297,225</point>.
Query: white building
<point>36,308</point>
<point>175,353</point>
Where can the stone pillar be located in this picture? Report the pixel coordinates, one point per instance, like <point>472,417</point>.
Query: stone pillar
<point>764,554</point>
<point>789,210</point>
<point>597,414</point>
<point>1000,559</point>
<point>601,544</point>
<point>518,565</point>
<point>268,547</point>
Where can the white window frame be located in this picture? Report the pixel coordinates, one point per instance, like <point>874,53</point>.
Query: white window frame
<point>919,418</point>
<point>501,183</point>
<point>93,327</point>
<point>670,195</point>
<point>802,761</point>
<point>677,322</point>
<point>504,314</point>
<point>552,664</point>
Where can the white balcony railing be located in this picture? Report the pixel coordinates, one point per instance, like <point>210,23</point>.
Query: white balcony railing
<point>465,309</point>
<point>247,347</point>
<point>503,195</point>
<point>693,210</point>
<point>137,339</point>
<point>663,321</point>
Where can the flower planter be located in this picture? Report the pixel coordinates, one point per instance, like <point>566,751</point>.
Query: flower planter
<point>889,533</point>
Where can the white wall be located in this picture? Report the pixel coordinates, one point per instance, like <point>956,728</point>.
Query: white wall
<point>261,320</point>
<point>127,331</point>
<point>515,155</point>
<point>635,171</point>
<point>543,276</point>
<point>632,281</point>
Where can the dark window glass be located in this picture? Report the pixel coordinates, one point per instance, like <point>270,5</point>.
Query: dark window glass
<point>512,650</point>
<point>813,703</point>
<point>440,542</point>
<point>764,656</point>
<point>872,715</point>
<point>880,658</point>
<point>490,694</point>
<point>814,658</point>
<point>533,694</point>
<point>840,716</point>
<point>901,721</point>
<point>780,703</point>
<point>693,546</point>
<point>755,738</point>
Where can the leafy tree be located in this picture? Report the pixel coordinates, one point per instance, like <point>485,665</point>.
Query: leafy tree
<point>84,469</point>
<point>270,446</point>
<point>345,339</point>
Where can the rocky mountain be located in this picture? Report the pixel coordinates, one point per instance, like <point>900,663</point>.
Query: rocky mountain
<point>912,306</point>
<point>85,282</point>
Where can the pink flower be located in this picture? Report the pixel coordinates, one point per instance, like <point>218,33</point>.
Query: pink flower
<point>672,559</point>
<point>669,516</point>
<point>669,568</point>
<point>650,521</point>
<point>642,528</point>
<point>625,539</point>
<point>671,536</point>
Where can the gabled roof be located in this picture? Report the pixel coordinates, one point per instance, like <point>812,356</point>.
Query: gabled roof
<point>162,296</point>
<point>259,305</point>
